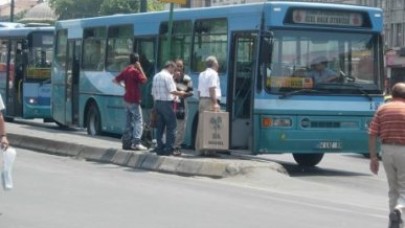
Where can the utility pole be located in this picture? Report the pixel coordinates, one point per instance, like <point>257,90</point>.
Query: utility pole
<point>170,32</point>
<point>144,6</point>
<point>170,28</point>
<point>12,11</point>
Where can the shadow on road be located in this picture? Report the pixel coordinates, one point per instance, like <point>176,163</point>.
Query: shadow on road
<point>295,170</point>
<point>55,129</point>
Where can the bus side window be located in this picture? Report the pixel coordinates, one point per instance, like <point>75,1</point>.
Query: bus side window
<point>60,50</point>
<point>211,38</point>
<point>146,50</point>
<point>181,42</point>
<point>119,47</point>
<point>94,48</point>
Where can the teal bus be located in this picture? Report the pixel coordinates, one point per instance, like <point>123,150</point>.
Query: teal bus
<point>25,71</point>
<point>266,53</point>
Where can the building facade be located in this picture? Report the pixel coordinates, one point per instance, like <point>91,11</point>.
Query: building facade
<point>20,7</point>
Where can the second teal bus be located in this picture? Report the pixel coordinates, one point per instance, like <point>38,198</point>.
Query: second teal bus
<point>25,71</point>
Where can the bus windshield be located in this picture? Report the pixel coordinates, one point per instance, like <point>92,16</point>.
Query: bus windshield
<point>40,56</point>
<point>336,62</point>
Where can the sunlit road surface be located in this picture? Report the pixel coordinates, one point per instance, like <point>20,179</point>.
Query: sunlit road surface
<point>52,191</point>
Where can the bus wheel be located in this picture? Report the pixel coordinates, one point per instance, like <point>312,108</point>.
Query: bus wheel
<point>93,121</point>
<point>308,159</point>
<point>194,133</point>
<point>8,119</point>
<point>60,125</point>
<point>367,155</point>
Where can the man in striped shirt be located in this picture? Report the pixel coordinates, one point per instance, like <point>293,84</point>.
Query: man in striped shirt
<point>388,124</point>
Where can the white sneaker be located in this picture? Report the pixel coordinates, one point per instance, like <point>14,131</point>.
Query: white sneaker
<point>139,147</point>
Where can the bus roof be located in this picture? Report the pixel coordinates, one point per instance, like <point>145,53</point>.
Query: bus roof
<point>237,12</point>
<point>23,31</point>
<point>10,25</point>
<point>234,8</point>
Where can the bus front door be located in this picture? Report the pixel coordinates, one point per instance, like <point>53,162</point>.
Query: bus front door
<point>15,80</point>
<point>72,83</point>
<point>240,84</point>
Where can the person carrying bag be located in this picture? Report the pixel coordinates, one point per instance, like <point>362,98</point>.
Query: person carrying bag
<point>9,156</point>
<point>8,153</point>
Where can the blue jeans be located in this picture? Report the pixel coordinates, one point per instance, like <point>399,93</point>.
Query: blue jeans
<point>134,122</point>
<point>166,121</point>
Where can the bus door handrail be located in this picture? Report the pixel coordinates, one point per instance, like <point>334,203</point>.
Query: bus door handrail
<point>19,90</point>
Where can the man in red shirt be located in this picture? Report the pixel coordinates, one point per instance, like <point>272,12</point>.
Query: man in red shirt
<point>131,78</point>
<point>388,124</point>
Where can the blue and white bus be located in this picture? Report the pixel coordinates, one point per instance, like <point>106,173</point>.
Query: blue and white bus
<point>265,51</point>
<point>25,71</point>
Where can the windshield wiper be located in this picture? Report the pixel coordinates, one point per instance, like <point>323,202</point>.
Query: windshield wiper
<point>300,91</point>
<point>350,86</point>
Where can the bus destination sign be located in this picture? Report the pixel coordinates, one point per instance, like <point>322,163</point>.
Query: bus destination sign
<point>307,16</point>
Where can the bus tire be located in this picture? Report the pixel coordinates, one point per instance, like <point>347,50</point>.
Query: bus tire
<point>93,120</point>
<point>309,160</point>
<point>8,119</point>
<point>367,155</point>
<point>60,125</point>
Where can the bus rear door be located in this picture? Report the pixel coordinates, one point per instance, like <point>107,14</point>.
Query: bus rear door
<point>72,83</point>
<point>15,79</point>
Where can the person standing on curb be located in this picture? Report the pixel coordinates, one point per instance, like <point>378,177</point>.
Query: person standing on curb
<point>388,124</point>
<point>183,83</point>
<point>3,141</point>
<point>209,93</point>
<point>132,77</point>
<point>164,92</point>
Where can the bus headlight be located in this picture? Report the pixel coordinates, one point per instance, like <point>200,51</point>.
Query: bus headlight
<point>282,122</point>
<point>32,100</point>
<point>276,122</point>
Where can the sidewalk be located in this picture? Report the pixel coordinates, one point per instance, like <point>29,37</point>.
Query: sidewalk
<point>49,138</point>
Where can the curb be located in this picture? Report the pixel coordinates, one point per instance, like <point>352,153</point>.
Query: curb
<point>143,160</point>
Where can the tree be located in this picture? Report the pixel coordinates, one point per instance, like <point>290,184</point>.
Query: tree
<point>68,9</point>
<point>155,5</point>
<point>109,7</point>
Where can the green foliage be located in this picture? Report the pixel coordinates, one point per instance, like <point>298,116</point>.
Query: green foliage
<point>70,9</point>
<point>155,5</point>
<point>109,7</point>
<point>20,15</point>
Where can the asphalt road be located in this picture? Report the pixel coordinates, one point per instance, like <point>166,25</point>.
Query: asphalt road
<point>52,191</point>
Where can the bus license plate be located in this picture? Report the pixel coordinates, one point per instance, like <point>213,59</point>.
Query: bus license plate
<point>330,145</point>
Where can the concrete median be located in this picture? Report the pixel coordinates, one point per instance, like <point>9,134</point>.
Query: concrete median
<point>185,165</point>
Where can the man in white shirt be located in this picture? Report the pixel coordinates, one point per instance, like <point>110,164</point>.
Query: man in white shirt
<point>163,92</point>
<point>209,92</point>
<point>3,137</point>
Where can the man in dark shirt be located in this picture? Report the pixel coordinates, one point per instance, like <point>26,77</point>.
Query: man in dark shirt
<point>131,78</point>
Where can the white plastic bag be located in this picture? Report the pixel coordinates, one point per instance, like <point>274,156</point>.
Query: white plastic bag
<point>6,173</point>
